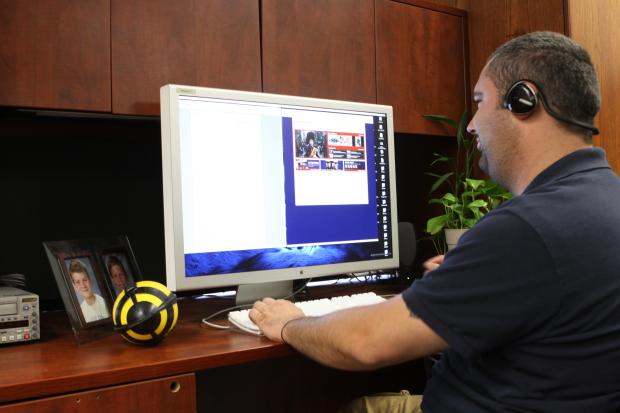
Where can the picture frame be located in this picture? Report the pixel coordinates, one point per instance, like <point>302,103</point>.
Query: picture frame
<point>87,287</point>
<point>119,263</point>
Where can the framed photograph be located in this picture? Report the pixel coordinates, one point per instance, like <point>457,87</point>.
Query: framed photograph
<point>87,289</point>
<point>119,264</point>
<point>89,275</point>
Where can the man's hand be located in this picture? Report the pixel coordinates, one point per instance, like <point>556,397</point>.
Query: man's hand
<point>433,263</point>
<point>270,316</point>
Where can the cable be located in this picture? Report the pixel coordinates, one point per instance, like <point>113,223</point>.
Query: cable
<point>243,307</point>
<point>13,280</point>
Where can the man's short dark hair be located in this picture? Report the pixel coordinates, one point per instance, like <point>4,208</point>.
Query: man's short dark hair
<point>560,67</point>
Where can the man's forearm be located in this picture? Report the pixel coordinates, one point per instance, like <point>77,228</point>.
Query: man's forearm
<point>360,338</point>
<point>335,340</point>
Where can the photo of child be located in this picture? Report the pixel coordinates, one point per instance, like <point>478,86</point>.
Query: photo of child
<point>119,272</point>
<point>87,289</point>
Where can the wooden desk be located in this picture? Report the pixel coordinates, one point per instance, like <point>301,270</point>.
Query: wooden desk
<point>55,373</point>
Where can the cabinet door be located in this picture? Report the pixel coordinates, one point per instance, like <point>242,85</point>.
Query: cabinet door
<point>55,54</point>
<point>212,43</point>
<point>320,48</point>
<point>170,394</point>
<point>420,65</point>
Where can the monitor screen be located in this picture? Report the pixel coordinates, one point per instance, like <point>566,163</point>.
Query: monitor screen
<point>261,187</point>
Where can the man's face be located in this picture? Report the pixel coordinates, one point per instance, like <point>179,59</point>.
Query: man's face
<point>495,130</point>
<point>118,277</point>
<point>81,283</point>
<point>311,142</point>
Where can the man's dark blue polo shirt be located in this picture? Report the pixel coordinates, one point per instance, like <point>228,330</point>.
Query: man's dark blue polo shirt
<point>529,301</point>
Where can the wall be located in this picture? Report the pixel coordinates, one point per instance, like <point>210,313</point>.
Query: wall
<point>594,24</point>
<point>492,22</point>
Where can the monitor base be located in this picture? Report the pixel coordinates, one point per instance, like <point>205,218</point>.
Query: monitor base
<point>249,293</point>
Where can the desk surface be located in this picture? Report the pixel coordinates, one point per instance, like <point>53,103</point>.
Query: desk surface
<point>56,364</point>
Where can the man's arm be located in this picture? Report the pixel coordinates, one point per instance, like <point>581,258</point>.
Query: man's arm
<point>361,338</point>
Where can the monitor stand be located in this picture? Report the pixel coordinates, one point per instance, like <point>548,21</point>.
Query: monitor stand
<point>249,293</point>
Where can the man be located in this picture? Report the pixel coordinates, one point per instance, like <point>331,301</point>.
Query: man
<point>527,307</point>
<point>311,151</point>
<point>93,306</point>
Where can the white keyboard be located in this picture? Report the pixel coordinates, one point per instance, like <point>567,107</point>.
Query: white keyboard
<point>313,308</point>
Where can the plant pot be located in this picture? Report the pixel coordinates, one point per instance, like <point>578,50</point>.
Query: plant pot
<point>452,236</point>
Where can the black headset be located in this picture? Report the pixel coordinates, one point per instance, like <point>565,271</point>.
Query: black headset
<point>521,99</point>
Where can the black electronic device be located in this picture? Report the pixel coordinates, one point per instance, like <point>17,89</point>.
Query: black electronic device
<point>406,246</point>
<point>522,99</point>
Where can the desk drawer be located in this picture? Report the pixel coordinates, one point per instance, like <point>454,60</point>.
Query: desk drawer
<point>170,394</point>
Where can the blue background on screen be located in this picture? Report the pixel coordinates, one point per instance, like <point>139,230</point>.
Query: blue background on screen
<point>227,262</point>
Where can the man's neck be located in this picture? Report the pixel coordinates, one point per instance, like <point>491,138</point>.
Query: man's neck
<point>540,153</point>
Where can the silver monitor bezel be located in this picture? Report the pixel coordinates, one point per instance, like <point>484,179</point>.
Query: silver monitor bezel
<point>172,192</point>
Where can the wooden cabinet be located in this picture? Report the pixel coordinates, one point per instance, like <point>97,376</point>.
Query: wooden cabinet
<point>170,394</point>
<point>492,22</point>
<point>594,24</point>
<point>320,48</point>
<point>114,55</point>
<point>55,54</point>
<point>421,64</point>
<point>203,43</point>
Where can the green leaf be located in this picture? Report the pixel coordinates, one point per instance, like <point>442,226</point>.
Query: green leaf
<point>468,223</point>
<point>475,183</point>
<point>440,181</point>
<point>478,203</point>
<point>439,159</point>
<point>436,224</point>
<point>441,118</point>
<point>435,201</point>
<point>432,174</point>
<point>471,194</point>
<point>462,126</point>
<point>449,197</point>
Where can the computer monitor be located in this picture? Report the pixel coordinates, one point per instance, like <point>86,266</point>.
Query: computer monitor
<point>261,189</point>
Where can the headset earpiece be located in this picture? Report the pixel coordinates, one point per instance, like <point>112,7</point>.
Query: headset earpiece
<point>521,98</point>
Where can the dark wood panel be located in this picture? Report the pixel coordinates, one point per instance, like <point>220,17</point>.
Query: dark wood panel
<point>493,22</point>
<point>55,54</point>
<point>450,3</point>
<point>420,65</point>
<point>454,7</point>
<point>323,48</point>
<point>299,385</point>
<point>212,43</point>
<point>171,394</point>
<point>532,15</point>
<point>488,28</point>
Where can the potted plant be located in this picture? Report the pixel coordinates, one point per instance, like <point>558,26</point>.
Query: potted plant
<point>464,198</point>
